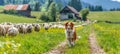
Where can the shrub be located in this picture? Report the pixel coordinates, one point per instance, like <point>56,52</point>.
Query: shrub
<point>44,17</point>
<point>84,14</point>
<point>52,12</point>
<point>74,20</point>
<point>10,11</point>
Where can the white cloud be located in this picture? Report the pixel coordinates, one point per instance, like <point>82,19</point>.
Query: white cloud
<point>116,0</point>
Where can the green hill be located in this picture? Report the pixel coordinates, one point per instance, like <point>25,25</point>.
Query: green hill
<point>113,16</point>
<point>15,19</point>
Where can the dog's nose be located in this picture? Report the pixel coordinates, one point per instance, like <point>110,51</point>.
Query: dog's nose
<point>68,27</point>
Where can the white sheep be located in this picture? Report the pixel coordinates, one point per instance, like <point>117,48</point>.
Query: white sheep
<point>29,28</point>
<point>2,30</point>
<point>7,27</point>
<point>36,27</point>
<point>22,29</point>
<point>46,26</point>
<point>12,31</point>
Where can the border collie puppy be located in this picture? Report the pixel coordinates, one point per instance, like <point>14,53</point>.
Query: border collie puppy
<point>70,33</point>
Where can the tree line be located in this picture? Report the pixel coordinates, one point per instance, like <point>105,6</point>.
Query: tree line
<point>37,6</point>
<point>115,9</point>
<point>95,8</point>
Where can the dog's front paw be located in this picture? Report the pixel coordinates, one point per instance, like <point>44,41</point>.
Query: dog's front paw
<point>73,43</point>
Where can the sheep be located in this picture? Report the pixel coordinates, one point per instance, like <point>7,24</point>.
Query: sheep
<point>7,27</point>
<point>29,28</point>
<point>54,26</point>
<point>36,27</point>
<point>60,26</point>
<point>6,23</point>
<point>2,30</point>
<point>95,21</point>
<point>12,31</point>
<point>22,29</point>
<point>46,26</point>
<point>16,25</point>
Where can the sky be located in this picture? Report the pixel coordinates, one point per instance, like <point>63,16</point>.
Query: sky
<point>116,0</point>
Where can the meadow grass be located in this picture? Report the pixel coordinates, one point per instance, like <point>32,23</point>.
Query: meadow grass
<point>39,42</point>
<point>37,14</point>
<point>33,43</point>
<point>108,36</point>
<point>15,19</point>
<point>82,45</point>
<point>20,19</point>
<point>1,7</point>
<point>113,16</point>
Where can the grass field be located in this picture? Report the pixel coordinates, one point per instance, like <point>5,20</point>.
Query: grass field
<point>113,16</point>
<point>108,36</point>
<point>15,19</point>
<point>1,8</point>
<point>34,43</point>
<point>39,42</point>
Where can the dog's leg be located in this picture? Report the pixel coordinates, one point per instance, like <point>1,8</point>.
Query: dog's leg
<point>69,42</point>
<point>73,42</point>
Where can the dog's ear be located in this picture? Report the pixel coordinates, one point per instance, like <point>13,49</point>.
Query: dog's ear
<point>66,24</point>
<point>72,24</point>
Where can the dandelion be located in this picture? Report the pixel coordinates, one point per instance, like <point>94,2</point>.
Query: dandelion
<point>5,53</point>
<point>8,46</point>
<point>12,41</point>
<point>14,45</point>
<point>18,44</point>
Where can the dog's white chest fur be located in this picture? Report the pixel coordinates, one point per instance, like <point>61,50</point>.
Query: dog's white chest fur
<point>69,33</point>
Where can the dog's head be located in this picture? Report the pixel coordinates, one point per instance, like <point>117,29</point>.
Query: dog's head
<point>69,26</point>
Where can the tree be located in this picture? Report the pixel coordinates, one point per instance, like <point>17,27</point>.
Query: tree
<point>98,8</point>
<point>76,4</point>
<point>91,8</point>
<point>37,6</point>
<point>52,12</point>
<point>32,4</point>
<point>25,1</point>
<point>84,13</point>
<point>6,2</point>
<point>59,7</point>
<point>49,3</point>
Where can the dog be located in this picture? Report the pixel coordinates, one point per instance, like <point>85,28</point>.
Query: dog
<point>70,33</point>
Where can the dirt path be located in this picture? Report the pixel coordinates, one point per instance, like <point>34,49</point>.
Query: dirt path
<point>59,49</point>
<point>95,48</point>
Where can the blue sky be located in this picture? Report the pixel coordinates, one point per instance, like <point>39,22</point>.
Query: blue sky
<point>116,0</point>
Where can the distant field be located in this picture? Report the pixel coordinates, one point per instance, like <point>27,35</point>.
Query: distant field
<point>20,19</point>
<point>1,7</point>
<point>113,16</point>
<point>15,19</point>
<point>36,13</point>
